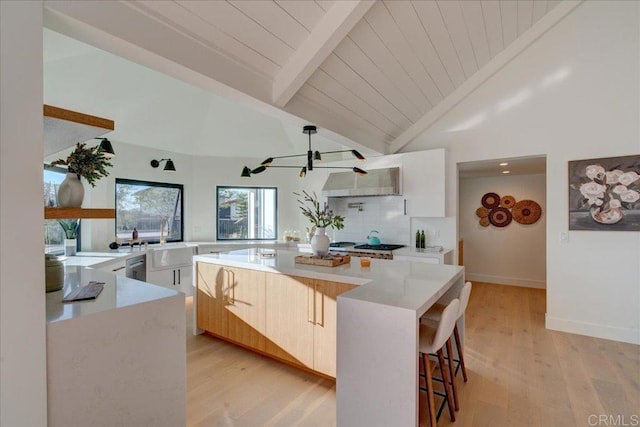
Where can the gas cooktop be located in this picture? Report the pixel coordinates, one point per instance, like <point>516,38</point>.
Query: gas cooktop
<point>341,244</point>
<point>382,247</point>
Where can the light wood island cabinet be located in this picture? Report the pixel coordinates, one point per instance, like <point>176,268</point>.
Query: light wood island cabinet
<point>231,303</point>
<point>290,318</point>
<point>326,325</point>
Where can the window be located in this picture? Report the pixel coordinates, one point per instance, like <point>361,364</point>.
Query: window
<point>152,208</point>
<point>53,233</point>
<point>247,213</point>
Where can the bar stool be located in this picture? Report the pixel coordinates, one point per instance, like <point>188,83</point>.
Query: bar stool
<point>432,340</point>
<point>433,316</point>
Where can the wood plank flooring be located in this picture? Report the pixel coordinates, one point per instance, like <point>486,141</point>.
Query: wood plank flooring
<point>520,374</point>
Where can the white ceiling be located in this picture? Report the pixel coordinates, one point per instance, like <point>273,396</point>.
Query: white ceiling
<point>515,166</point>
<point>367,72</point>
<point>153,110</point>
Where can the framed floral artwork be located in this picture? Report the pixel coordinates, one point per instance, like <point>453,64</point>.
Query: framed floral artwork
<point>604,194</point>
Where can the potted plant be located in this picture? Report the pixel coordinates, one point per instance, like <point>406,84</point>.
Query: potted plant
<point>70,227</point>
<point>321,219</point>
<point>85,162</point>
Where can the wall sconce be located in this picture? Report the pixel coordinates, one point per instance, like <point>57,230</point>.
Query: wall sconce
<point>169,166</point>
<point>106,147</point>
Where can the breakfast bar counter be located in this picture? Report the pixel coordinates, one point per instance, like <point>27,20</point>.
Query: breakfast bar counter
<point>118,359</point>
<point>376,348</point>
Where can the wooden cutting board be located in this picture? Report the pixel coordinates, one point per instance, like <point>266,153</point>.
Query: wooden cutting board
<point>327,261</point>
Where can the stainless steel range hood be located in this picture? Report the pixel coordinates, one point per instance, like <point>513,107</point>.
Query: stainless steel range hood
<point>377,182</point>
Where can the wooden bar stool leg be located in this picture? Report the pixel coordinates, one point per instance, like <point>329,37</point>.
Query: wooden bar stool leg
<point>452,373</point>
<point>447,388</point>
<point>456,335</point>
<point>431,402</point>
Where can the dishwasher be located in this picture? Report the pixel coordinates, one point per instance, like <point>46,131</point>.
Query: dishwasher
<point>136,268</point>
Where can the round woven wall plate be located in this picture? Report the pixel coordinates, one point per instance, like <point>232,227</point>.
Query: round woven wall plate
<point>482,212</point>
<point>526,212</point>
<point>507,202</point>
<point>484,222</point>
<point>490,200</point>
<point>500,217</point>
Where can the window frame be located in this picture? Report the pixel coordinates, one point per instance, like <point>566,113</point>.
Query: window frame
<point>222,187</point>
<point>149,184</point>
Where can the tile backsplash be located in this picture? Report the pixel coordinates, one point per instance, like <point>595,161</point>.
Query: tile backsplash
<point>363,214</point>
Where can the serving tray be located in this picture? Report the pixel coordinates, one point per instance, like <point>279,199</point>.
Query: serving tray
<point>326,261</point>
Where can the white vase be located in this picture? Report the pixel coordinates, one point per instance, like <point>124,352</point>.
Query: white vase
<point>320,243</point>
<point>70,192</point>
<point>70,246</point>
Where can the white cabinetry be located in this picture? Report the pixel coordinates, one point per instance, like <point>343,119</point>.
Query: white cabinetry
<point>117,267</point>
<point>171,267</point>
<point>408,254</point>
<point>423,183</point>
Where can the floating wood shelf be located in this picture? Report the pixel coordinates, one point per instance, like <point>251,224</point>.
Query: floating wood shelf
<point>65,213</point>
<point>63,128</point>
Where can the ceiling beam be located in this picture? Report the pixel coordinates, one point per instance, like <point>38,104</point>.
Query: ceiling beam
<point>492,67</point>
<point>325,37</point>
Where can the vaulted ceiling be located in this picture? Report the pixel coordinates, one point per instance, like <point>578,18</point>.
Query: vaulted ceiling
<point>374,73</point>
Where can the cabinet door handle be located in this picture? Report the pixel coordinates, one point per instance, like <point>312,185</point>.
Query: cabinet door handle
<point>179,280</point>
<point>315,318</point>
<point>232,274</point>
<point>174,277</point>
<point>405,206</point>
<point>321,322</point>
<point>309,319</point>
<point>119,268</point>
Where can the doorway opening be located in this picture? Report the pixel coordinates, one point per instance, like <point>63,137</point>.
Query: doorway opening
<point>502,221</point>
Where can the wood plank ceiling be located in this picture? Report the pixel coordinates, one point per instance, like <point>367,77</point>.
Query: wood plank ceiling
<point>395,63</point>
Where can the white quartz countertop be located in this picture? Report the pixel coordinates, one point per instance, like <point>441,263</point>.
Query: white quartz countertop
<point>118,292</point>
<point>411,285</point>
<point>411,251</point>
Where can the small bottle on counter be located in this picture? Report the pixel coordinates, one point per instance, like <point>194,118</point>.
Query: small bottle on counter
<point>417,239</point>
<point>423,240</point>
<point>134,235</point>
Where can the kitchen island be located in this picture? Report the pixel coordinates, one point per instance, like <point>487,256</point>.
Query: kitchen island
<point>119,359</point>
<point>263,300</point>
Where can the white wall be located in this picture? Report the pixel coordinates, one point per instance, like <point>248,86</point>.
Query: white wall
<point>572,94</point>
<point>23,398</point>
<point>198,174</point>
<point>384,214</point>
<point>512,255</point>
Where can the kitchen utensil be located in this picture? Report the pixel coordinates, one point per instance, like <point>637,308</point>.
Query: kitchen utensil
<point>373,240</point>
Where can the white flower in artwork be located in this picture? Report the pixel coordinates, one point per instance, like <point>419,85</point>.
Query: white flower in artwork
<point>619,189</point>
<point>615,203</point>
<point>613,176</point>
<point>628,178</point>
<point>630,196</point>
<point>593,192</point>
<point>595,171</point>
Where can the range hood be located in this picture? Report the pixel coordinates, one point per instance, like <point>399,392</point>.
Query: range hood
<point>377,182</point>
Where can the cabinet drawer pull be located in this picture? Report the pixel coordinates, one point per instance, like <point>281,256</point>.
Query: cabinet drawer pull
<point>179,280</point>
<point>405,206</point>
<point>119,268</point>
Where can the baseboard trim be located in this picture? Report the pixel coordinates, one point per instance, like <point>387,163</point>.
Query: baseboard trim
<point>628,335</point>
<point>500,280</point>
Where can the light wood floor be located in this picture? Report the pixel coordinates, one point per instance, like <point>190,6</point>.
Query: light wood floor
<point>520,374</point>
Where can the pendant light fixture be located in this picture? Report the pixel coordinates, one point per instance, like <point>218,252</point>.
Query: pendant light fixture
<point>169,166</point>
<point>311,156</point>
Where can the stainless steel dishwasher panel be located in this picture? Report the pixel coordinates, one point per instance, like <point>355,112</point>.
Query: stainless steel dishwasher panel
<point>136,268</point>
